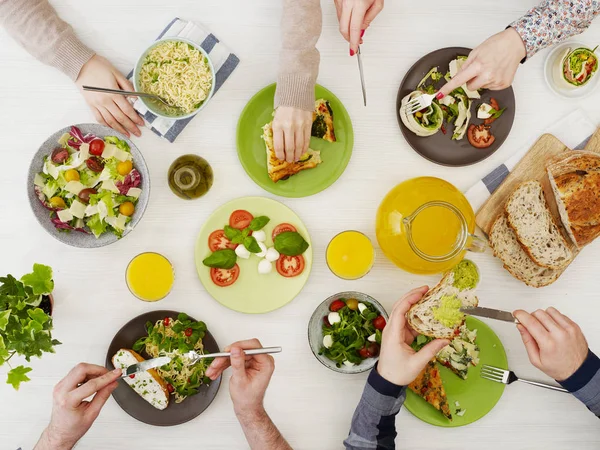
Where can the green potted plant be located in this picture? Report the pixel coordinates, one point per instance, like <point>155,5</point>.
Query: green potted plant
<point>25,320</point>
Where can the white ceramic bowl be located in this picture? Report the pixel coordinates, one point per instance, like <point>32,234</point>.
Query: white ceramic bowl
<point>153,108</point>
<point>549,65</point>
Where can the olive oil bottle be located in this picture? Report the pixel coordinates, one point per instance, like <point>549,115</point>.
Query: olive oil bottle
<point>190,177</point>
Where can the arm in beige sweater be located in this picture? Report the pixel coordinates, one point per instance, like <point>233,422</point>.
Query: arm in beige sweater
<point>299,60</point>
<point>35,25</point>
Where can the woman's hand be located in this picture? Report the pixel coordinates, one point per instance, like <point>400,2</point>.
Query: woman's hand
<point>111,110</point>
<point>291,133</point>
<point>355,16</point>
<point>491,65</point>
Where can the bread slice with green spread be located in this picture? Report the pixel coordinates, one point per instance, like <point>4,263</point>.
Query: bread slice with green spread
<point>438,314</point>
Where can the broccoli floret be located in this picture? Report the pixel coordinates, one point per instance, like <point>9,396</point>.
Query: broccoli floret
<point>319,128</point>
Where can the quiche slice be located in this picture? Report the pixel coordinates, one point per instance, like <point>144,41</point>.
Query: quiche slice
<point>429,386</point>
<point>280,170</point>
<point>322,126</point>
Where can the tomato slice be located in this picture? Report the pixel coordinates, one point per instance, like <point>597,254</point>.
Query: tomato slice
<point>224,277</point>
<point>480,136</point>
<point>97,147</point>
<point>494,104</point>
<point>282,228</point>
<point>218,241</point>
<point>240,219</point>
<point>290,266</point>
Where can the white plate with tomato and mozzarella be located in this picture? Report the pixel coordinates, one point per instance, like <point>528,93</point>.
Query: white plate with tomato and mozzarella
<point>251,264</point>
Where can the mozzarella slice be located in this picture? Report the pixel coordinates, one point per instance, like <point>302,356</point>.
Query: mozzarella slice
<point>272,255</point>
<point>74,187</point>
<point>348,363</point>
<point>109,150</point>
<point>260,236</point>
<point>362,307</point>
<point>109,185</point>
<point>242,252</point>
<point>265,267</point>
<point>263,250</point>
<point>134,192</point>
<point>372,338</point>
<point>64,215</point>
<point>333,317</point>
<point>327,341</point>
<point>484,111</point>
<point>77,209</point>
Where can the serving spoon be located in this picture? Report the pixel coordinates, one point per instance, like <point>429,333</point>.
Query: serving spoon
<point>129,93</point>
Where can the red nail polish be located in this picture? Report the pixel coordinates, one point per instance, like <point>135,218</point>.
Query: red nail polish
<point>351,52</point>
<point>440,95</point>
<point>362,33</point>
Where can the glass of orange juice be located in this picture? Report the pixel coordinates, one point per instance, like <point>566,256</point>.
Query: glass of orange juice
<point>350,255</point>
<point>150,276</point>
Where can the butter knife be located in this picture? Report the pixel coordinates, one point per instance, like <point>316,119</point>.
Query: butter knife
<point>146,365</point>
<point>362,75</point>
<point>490,313</point>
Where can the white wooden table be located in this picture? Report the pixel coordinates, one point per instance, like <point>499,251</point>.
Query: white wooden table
<point>311,405</point>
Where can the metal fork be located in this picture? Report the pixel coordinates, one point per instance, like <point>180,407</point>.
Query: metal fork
<point>194,357</point>
<point>127,93</point>
<point>508,376</point>
<point>419,103</point>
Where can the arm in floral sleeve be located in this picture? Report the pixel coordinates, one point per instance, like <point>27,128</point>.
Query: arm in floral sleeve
<point>554,21</point>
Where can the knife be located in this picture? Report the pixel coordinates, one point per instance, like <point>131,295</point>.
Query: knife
<point>362,76</point>
<point>146,365</point>
<point>490,313</point>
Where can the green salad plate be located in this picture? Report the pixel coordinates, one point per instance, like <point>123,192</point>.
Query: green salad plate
<point>253,155</point>
<point>253,293</point>
<point>475,395</point>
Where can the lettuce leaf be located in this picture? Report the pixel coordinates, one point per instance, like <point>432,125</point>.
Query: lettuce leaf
<point>96,225</point>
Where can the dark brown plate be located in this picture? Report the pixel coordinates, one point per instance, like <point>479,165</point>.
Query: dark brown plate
<point>136,406</point>
<point>440,148</point>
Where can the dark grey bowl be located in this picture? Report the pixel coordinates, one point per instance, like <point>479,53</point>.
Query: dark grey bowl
<point>76,238</point>
<point>315,331</point>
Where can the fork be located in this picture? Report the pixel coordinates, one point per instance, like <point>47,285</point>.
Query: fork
<point>508,376</point>
<point>421,102</point>
<point>127,93</point>
<point>194,357</point>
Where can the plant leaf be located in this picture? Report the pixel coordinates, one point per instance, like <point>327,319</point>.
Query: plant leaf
<point>17,376</point>
<point>4,315</point>
<point>38,315</point>
<point>40,279</point>
<point>221,259</point>
<point>233,234</point>
<point>290,243</point>
<point>252,245</point>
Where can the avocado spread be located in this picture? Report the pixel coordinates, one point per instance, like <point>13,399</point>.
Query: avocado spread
<point>448,313</point>
<point>466,275</point>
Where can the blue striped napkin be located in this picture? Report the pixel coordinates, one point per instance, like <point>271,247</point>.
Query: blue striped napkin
<point>574,130</point>
<point>223,61</point>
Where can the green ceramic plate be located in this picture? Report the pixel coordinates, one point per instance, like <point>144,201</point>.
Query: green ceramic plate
<point>253,293</point>
<point>476,395</point>
<point>253,156</point>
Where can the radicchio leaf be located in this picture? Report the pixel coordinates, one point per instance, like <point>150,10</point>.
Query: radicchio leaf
<point>133,179</point>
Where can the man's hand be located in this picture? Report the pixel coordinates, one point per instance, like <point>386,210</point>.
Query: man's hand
<point>554,343</point>
<point>250,377</point>
<point>111,110</point>
<point>291,133</point>
<point>398,362</point>
<point>491,65</point>
<point>355,16</point>
<point>72,415</point>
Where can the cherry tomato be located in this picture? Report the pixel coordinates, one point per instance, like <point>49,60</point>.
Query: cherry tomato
<point>57,202</point>
<point>127,208</point>
<point>352,303</point>
<point>124,167</point>
<point>224,277</point>
<point>132,376</point>
<point>373,349</point>
<point>188,332</point>
<point>84,194</point>
<point>166,321</point>
<point>290,266</point>
<point>97,147</point>
<point>493,104</point>
<point>480,136</point>
<point>336,305</point>
<point>60,155</point>
<point>326,322</point>
<point>94,164</point>
<point>72,175</point>
<point>282,228</point>
<point>240,219</point>
<point>379,322</point>
<point>218,241</point>
<point>170,388</point>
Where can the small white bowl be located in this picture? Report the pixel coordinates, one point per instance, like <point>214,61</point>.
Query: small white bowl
<point>552,59</point>
<point>149,104</point>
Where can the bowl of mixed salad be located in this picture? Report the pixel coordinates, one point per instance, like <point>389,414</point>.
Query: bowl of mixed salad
<point>344,332</point>
<point>88,185</point>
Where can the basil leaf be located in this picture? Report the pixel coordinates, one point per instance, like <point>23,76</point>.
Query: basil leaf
<point>258,223</point>
<point>221,259</point>
<point>495,114</point>
<point>290,243</point>
<point>251,245</point>
<point>246,232</point>
<point>233,234</point>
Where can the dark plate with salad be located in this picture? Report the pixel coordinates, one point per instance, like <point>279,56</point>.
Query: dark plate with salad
<point>189,397</point>
<point>466,126</point>
<point>344,332</point>
<point>88,185</point>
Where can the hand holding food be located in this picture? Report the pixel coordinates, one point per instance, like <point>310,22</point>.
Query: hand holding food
<point>111,110</point>
<point>554,343</point>
<point>291,133</point>
<point>398,362</point>
<point>72,415</point>
<point>355,16</point>
<point>250,377</point>
<point>491,65</point>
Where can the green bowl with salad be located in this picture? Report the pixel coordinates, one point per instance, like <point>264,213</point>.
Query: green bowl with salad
<point>344,332</point>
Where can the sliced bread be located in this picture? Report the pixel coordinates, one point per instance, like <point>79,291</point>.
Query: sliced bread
<point>530,218</point>
<point>149,385</point>
<point>575,181</point>
<point>506,247</point>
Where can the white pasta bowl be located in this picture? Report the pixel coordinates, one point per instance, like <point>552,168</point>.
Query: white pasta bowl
<point>156,107</point>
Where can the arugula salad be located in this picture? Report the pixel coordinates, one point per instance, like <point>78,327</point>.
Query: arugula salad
<point>351,332</point>
<point>175,337</point>
<point>89,184</point>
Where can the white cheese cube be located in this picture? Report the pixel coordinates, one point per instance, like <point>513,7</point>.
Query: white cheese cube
<point>77,209</point>
<point>64,215</point>
<point>134,192</point>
